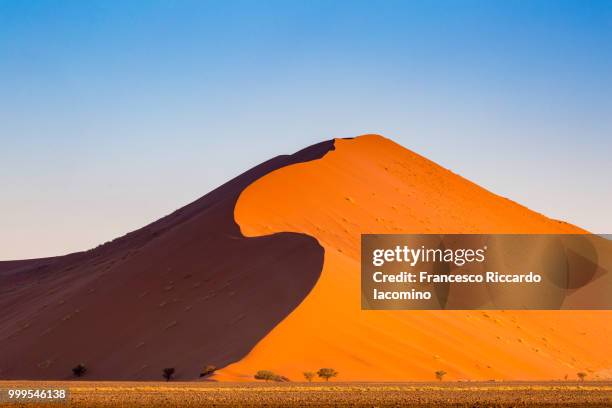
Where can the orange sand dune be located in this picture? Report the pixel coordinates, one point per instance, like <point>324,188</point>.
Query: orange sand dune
<point>372,185</point>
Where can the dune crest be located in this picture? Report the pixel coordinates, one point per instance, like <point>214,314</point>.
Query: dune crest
<point>372,185</point>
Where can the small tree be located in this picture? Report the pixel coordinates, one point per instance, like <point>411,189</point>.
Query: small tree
<point>440,374</point>
<point>327,373</point>
<point>309,375</point>
<point>208,370</point>
<point>581,375</point>
<point>168,373</point>
<point>265,375</point>
<point>79,370</point>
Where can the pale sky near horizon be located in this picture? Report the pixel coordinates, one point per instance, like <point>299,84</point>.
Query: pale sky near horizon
<point>114,114</point>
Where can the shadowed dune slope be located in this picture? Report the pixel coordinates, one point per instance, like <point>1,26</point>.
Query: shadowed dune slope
<point>371,185</point>
<point>185,291</point>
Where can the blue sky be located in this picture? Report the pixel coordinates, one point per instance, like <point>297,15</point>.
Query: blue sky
<point>113,114</point>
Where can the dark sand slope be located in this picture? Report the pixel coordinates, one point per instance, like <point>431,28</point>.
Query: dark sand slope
<point>185,291</point>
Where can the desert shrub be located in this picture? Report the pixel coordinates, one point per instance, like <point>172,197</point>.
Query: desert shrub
<point>309,375</point>
<point>327,373</point>
<point>440,374</point>
<point>79,370</point>
<point>581,375</point>
<point>168,373</point>
<point>268,375</point>
<point>208,370</point>
<point>265,375</point>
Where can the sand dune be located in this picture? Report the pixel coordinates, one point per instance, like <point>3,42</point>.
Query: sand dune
<point>263,273</point>
<point>372,185</point>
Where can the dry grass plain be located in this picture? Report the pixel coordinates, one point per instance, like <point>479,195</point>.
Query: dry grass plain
<point>336,394</point>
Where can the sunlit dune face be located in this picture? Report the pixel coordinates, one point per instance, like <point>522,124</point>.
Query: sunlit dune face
<point>372,185</point>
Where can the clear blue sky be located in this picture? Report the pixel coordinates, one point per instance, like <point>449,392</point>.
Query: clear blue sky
<point>114,113</point>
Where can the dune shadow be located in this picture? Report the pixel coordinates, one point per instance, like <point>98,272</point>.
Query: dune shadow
<point>186,291</point>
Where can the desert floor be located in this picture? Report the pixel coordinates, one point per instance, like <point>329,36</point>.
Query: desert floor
<point>337,394</point>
